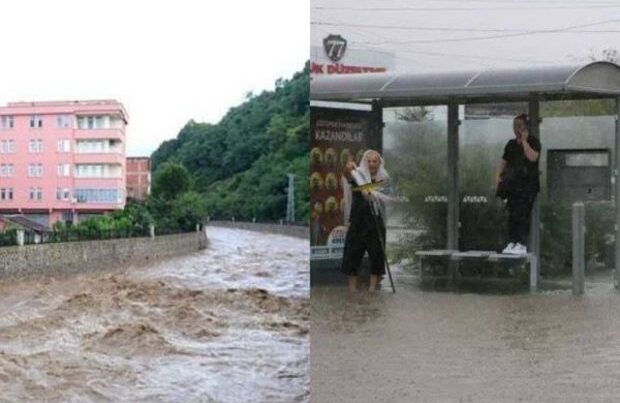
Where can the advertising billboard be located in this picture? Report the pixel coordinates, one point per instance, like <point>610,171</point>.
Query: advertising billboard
<point>337,136</point>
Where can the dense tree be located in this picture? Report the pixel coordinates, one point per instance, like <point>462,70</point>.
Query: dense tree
<point>170,181</point>
<point>240,165</point>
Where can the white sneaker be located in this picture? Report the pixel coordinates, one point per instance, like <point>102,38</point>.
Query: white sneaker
<point>509,248</point>
<point>519,249</point>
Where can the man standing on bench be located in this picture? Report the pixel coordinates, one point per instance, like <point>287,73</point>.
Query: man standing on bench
<point>518,178</point>
<point>366,217</point>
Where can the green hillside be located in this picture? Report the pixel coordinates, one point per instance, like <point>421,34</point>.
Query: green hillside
<point>240,165</point>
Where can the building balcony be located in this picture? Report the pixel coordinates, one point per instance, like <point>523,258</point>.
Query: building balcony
<point>112,134</point>
<point>81,181</point>
<point>113,158</point>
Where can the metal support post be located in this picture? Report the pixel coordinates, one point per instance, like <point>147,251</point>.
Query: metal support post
<point>535,226</point>
<point>453,188</point>
<point>578,248</point>
<point>453,178</point>
<point>21,237</point>
<point>617,193</point>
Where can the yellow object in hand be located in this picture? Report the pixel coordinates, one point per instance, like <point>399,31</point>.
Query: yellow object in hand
<point>368,187</point>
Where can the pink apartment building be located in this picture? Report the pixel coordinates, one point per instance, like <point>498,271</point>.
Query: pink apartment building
<point>62,160</point>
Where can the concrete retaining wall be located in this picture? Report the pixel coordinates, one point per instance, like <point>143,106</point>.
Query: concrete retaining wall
<point>74,257</point>
<point>290,230</point>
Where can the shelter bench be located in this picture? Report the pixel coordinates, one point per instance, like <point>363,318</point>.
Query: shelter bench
<point>453,257</point>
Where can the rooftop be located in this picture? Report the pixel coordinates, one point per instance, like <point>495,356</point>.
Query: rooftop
<point>25,223</point>
<point>108,106</point>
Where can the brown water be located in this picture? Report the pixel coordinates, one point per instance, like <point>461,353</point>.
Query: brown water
<point>228,324</point>
<point>430,346</point>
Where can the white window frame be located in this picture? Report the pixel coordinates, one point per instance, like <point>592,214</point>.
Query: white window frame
<point>6,194</point>
<point>92,146</point>
<point>91,171</point>
<point>7,122</point>
<point>63,194</point>
<point>35,146</point>
<point>7,146</point>
<point>7,170</point>
<point>63,121</point>
<point>93,122</point>
<point>36,121</point>
<point>35,170</point>
<point>64,169</point>
<point>35,194</point>
<point>63,146</point>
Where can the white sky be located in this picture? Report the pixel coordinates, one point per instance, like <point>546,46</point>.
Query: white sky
<point>166,61</point>
<point>449,25</point>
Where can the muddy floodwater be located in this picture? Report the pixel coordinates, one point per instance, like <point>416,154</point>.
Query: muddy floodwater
<point>437,346</point>
<point>227,324</point>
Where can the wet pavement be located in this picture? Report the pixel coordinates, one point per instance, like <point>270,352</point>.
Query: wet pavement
<point>440,346</point>
<point>227,324</point>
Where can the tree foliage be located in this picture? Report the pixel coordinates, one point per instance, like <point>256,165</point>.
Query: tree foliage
<point>240,165</point>
<point>170,181</point>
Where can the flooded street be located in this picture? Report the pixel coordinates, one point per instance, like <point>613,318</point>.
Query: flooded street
<point>434,346</point>
<point>227,324</point>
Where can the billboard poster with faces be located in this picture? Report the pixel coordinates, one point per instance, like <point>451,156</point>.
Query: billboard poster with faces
<point>337,136</point>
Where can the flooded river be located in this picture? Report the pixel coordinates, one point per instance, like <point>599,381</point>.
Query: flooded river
<point>437,346</point>
<point>227,324</point>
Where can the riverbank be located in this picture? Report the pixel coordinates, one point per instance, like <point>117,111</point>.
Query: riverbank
<point>90,256</point>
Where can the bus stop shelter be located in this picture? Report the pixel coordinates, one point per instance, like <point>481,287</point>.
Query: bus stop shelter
<point>597,80</point>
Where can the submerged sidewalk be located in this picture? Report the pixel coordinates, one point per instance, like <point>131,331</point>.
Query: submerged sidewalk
<point>436,346</point>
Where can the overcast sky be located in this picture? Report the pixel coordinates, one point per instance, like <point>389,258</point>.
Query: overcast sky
<point>464,34</point>
<point>166,61</point>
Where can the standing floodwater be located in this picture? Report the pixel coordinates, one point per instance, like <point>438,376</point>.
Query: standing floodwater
<point>431,346</point>
<point>227,324</point>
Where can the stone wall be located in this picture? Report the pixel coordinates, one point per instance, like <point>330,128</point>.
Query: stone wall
<point>74,257</point>
<point>290,230</point>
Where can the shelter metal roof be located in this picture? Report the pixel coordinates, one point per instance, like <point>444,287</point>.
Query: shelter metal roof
<point>24,222</point>
<point>592,80</point>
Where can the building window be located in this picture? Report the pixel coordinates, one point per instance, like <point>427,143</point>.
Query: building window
<point>92,146</point>
<point>35,170</point>
<point>89,171</point>
<point>64,169</point>
<point>7,146</point>
<point>63,194</point>
<point>7,170</point>
<point>98,195</point>
<point>93,122</point>
<point>35,146</point>
<point>36,194</point>
<point>6,194</point>
<point>36,121</point>
<point>64,146</point>
<point>95,146</point>
<point>7,122</point>
<point>63,121</point>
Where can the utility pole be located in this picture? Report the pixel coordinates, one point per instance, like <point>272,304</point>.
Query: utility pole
<point>290,203</point>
